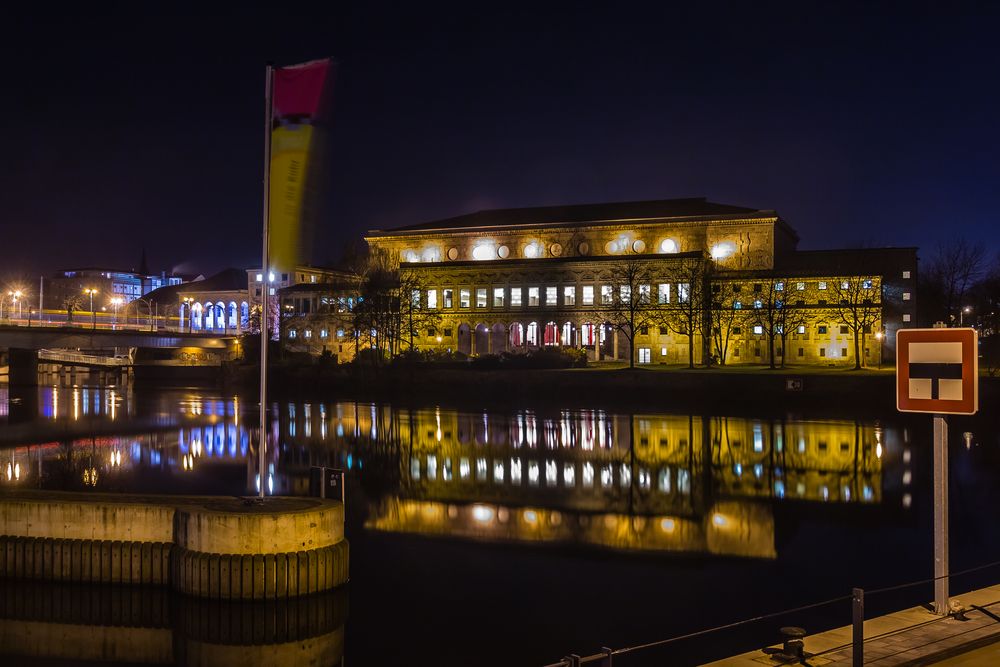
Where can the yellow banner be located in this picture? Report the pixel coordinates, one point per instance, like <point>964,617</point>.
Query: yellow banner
<point>289,159</point>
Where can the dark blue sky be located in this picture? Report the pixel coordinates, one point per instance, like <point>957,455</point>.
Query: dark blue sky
<point>128,127</point>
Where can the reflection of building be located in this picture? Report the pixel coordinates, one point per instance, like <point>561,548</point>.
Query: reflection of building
<point>522,278</point>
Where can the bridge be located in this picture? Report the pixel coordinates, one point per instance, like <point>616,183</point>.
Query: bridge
<point>25,343</point>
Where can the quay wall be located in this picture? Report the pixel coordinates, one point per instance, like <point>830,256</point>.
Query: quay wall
<point>220,548</point>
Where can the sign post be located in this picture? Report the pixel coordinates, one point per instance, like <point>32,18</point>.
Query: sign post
<point>937,372</point>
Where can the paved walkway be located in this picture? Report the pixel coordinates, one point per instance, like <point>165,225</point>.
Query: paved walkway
<point>910,637</point>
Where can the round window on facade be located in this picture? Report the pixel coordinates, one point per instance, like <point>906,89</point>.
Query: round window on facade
<point>611,247</point>
<point>452,254</point>
<point>531,251</point>
<point>503,252</point>
<point>555,249</point>
<point>668,246</point>
<point>583,248</point>
<point>639,246</point>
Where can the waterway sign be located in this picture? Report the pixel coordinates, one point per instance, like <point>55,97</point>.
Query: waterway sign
<point>937,371</point>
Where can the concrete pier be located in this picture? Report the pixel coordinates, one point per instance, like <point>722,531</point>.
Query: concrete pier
<point>214,547</point>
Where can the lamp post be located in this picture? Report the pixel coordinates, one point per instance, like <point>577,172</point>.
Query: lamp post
<point>879,336</point>
<point>117,301</point>
<point>17,300</point>
<point>962,313</point>
<point>93,316</point>
<point>187,302</point>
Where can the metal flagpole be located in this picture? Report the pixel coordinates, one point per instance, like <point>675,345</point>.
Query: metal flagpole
<point>265,279</point>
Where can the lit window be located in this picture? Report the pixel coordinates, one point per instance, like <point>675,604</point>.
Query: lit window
<point>482,252</point>
<point>800,287</point>
<point>432,298</point>
<point>906,317</point>
<point>801,329</point>
<point>663,351</point>
<point>308,333</point>
<point>644,355</point>
<point>779,287</point>
<point>588,295</point>
<point>569,295</point>
<point>260,277</point>
<point>668,246</point>
<point>532,296</point>
<point>415,298</point>
<point>340,333</point>
<point>498,297</point>
<point>663,292</point>
<point>515,297</point>
<point>551,296</point>
<point>906,275</point>
<point>758,329</point>
<point>606,294</point>
<point>822,284</point>
<point>644,291</point>
<point>906,296</point>
<point>323,333</point>
<point>737,305</point>
<point>480,297</point>
<point>866,284</point>
<point>292,333</point>
<point>757,303</point>
<point>464,298</point>
<point>844,284</point>
<point>625,293</point>
<point>683,292</point>
<point>448,297</point>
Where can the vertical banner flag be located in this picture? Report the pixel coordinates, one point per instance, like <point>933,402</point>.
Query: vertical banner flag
<point>297,105</point>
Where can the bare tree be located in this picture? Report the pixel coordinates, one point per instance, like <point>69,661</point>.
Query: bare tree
<point>685,316</point>
<point>70,304</point>
<point>791,317</point>
<point>724,316</point>
<point>858,304</point>
<point>631,308</point>
<point>954,268</point>
<point>768,300</point>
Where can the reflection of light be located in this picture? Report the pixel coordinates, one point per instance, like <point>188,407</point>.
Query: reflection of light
<point>878,450</point>
<point>533,473</point>
<point>907,500</point>
<point>907,477</point>
<point>667,525</point>
<point>569,474</point>
<point>588,475</point>
<point>530,516</point>
<point>515,471</point>
<point>482,513</point>
<point>718,520</point>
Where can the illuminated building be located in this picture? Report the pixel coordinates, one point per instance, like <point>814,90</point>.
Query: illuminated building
<point>517,279</point>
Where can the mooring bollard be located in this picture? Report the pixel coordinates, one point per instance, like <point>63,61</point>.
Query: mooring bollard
<point>793,645</point>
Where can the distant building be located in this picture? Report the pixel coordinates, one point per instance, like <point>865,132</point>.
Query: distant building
<point>70,284</point>
<point>219,303</point>
<point>517,279</point>
<point>316,317</point>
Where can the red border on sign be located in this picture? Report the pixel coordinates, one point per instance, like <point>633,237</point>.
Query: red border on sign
<point>970,371</point>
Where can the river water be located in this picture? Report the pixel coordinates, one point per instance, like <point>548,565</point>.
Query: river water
<point>513,534</point>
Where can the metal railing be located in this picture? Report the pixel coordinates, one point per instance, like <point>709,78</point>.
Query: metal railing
<point>857,597</point>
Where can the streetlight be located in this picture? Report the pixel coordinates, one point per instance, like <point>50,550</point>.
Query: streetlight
<point>16,294</point>
<point>879,336</point>
<point>190,316</point>
<point>93,316</point>
<point>117,301</point>
<point>961,315</point>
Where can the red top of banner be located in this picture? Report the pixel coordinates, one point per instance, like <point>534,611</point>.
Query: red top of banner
<point>298,89</point>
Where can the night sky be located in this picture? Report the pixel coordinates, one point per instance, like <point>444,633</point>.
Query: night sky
<point>127,127</point>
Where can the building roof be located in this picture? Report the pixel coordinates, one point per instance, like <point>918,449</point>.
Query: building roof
<point>576,214</point>
<point>227,280</point>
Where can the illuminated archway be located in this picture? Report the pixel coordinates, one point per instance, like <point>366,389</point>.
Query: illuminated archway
<point>517,335</point>
<point>551,334</point>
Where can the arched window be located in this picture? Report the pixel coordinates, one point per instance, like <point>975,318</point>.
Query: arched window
<point>531,338</point>
<point>567,334</point>
<point>233,322</point>
<point>551,334</point>
<point>516,334</point>
<point>209,319</point>
<point>244,314</point>
<point>196,313</point>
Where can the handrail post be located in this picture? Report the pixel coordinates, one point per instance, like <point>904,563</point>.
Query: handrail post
<point>606,659</point>
<point>858,627</point>
<point>572,660</point>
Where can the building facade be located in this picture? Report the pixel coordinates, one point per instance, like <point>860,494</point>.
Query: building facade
<point>70,286</point>
<point>516,279</point>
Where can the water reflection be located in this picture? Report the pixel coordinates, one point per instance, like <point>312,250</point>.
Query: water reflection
<point>105,624</point>
<point>648,482</point>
